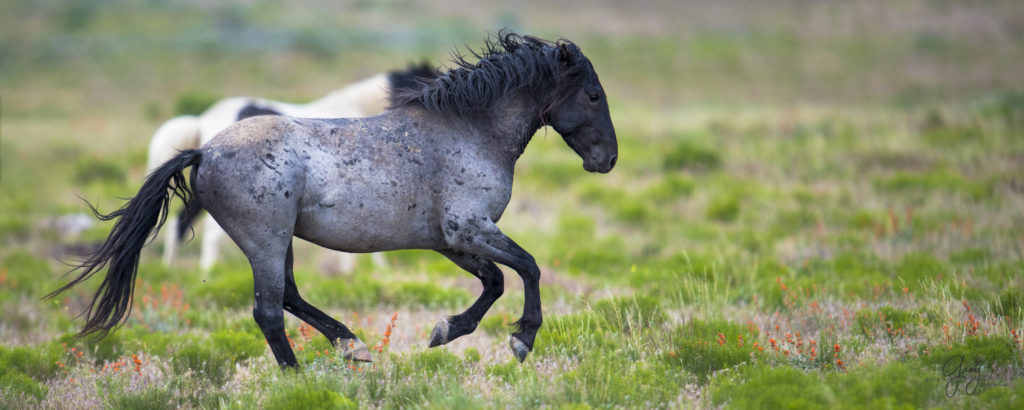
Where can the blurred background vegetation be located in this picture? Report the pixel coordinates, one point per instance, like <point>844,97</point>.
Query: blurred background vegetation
<point>853,164</point>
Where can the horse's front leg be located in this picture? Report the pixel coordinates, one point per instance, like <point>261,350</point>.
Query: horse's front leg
<point>465,323</point>
<point>482,238</point>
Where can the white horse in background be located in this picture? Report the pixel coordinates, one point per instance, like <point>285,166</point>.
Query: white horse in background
<point>365,98</point>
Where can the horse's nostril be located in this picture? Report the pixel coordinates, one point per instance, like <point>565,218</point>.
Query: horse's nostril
<point>612,162</point>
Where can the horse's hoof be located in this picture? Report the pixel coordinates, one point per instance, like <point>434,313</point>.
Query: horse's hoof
<point>519,348</point>
<point>440,334</point>
<point>356,350</point>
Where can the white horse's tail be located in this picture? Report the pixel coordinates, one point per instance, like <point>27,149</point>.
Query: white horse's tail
<point>177,134</point>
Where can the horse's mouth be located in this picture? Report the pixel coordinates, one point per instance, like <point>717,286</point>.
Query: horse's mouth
<point>590,167</point>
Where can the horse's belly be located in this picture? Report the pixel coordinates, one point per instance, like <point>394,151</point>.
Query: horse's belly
<point>369,227</point>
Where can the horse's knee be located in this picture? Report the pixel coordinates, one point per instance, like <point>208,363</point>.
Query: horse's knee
<point>269,319</point>
<point>494,283</point>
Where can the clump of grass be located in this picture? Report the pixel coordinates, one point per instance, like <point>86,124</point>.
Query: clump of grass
<point>998,397</point>
<point>98,170</point>
<point>628,314</point>
<point>669,188</point>
<point>509,372</point>
<point>992,351</point>
<point>214,358</point>
<point>1009,303</point>
<point>705,347</point>
<point>611,379</point>
<point>307,394</point>
<point>1009,109</point>
<point>204,361</point>
<point>690,156</point>
<point>426,294</point>
<point>886,320</point>
<point>228,287</point>
<point>723,208</point>
<point>572,335</point>
<point>35,362</point>
<point>471,355</point>
<point>151,398</point>
<point>15,386</point>
<point>895,385</point>
<point>496,325</point>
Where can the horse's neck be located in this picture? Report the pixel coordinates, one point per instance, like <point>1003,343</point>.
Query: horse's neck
<point>512,123</point>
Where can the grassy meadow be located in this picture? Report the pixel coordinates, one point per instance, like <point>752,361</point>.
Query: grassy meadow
<point>817,204</point>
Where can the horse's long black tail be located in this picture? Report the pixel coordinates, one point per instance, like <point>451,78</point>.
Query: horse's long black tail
<point>142,216</point>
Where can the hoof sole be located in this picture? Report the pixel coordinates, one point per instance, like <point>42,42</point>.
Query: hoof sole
<point>356,350</point>
<point>519,348</point>
<point>439,335</point>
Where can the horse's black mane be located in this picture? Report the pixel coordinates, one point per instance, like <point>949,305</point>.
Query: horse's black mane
<point>507,63</point>
<point>411,77</point>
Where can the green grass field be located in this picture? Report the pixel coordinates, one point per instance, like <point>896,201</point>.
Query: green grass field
<point>817,204</point>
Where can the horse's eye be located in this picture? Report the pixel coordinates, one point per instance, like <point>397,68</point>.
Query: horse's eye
<point>595,97</point>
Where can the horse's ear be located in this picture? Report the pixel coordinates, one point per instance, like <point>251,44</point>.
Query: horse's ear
<point>564,54</point>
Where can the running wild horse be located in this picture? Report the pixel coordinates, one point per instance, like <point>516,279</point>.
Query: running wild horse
<point>433,173</point>
<point>367,97</point>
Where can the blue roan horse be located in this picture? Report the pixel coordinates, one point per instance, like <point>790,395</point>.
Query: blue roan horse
<point>433,173</point>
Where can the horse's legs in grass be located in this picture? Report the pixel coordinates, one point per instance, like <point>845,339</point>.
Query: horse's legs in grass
<point>465,323</point>
<point>485,240</point>
<point>335,331</point>
<point>269,284</point>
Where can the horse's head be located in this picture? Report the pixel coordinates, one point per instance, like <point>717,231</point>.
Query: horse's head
<point>579,111</point>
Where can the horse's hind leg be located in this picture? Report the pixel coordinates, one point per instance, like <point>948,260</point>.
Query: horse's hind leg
<point>465,323</point>
<point>269,285</point>
<point>335,331</point>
